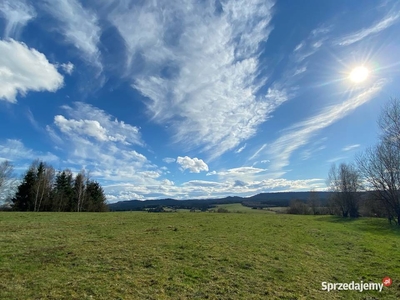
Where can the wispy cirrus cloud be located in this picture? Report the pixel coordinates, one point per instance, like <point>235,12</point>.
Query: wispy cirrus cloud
<point>301,56</point>
<point>314,148</point>
<point>238,171</point>
<point>17,13</point>
<point>241,148</point>
<point>243,174</point>
<point>350,147</point>
<point>255,155</point>
<point>311,44</point>
<point>15,150</point>
<point>24,69</point>
<point>79,26</point>
<point>199,57</point>
<point>335,159</point>
<point>308,153</point>
<point>32,120</point>
<point>386,22</point>
<point>299,134</point>
<point>169,160</point>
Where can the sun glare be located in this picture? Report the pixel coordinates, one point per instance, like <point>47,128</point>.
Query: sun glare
<point>359,74</point>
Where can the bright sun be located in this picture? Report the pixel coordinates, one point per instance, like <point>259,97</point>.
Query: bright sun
<point>359,74</point>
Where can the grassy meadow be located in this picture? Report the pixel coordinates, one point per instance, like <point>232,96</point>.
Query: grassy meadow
<point>139,255</point>
<point>239,208</point>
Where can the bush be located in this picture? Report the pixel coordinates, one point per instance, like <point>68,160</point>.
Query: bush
<point>222,210</point>
<point>298,207</point>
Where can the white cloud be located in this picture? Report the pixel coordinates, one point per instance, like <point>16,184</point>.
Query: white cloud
<point>351,147</point>
<point>300,70</point>
<point>110,163</point>
<point>275,97</point>
<point>386,22</point>
<point>24,69</point>
<point>87,120</point>
<point>150,174</point>
<point>299,59</point>
<point>32,120</point>
<point>212,66</point>
<point>258,152</point>
<point>335,159</point>
<point>308,153</point>
<point>79,27</point>
<point>201,189</point>
<point>202,183</point>
<point>315,147</point>
<point>169,160</point>
<point>245,174</point>
<point>15,150</point>
<point>299,46</point>
<point>240,171</point>
<point>241,148</point>
<point>167,182</point>
<point>285,87</point>
<point>17,14</point>
<point>68,68</point>
<point>282,184</point>
<point>194,165</point>
<point>310,45</point>
<point>122,195</point>
<point>90,128</point>
<point>93,139</point>
<point>142,29</point>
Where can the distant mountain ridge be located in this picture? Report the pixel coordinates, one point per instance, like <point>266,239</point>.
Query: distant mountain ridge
<point>259,200</point>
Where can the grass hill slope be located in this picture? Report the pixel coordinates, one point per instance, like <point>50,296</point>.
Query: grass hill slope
<point>136,255</point>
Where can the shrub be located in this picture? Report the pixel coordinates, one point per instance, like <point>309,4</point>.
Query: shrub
<point>222,210</point>
<point>298,207</point>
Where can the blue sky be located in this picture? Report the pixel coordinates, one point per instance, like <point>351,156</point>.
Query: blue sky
<point>194,99</point>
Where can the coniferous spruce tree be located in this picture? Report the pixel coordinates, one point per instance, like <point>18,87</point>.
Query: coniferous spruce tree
<point>42,190</point>
<point>63,192</point>
<point>24,197</point>
<point>96,200</point>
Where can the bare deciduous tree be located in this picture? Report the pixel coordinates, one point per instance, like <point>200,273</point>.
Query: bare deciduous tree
<point>7,180</point>
<point>345,182</point>
<point>389,123</point>
<point>43,183</point>
<point>380,165</point>
<point>313,202</point>
<point>298,207</point>
<point>80,188</point>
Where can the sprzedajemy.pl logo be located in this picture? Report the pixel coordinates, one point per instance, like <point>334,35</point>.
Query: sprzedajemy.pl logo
<point>356,286</point>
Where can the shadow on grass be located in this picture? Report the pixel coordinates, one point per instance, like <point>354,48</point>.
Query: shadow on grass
<point>372,225</point>
<point>336,219</point>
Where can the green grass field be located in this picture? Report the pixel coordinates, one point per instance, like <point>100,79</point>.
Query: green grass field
<point>239,208</point>
<point>138,255</point>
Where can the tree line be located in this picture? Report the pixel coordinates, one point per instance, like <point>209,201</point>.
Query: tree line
<point>44,189</point>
